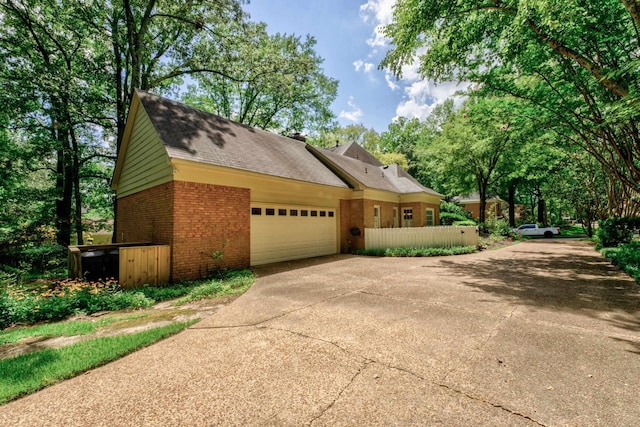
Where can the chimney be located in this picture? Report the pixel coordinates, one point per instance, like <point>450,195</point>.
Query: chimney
<point>299,137</point>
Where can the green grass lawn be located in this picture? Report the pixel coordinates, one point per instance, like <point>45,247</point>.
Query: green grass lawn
<point>31,372</point>
<point>627,257</point>
<point>62,329</point>
<point>573,231</point>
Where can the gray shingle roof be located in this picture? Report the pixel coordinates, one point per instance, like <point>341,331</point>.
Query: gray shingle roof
<point>356,151</point>
<point>191,134</point>
<point>390,178</point>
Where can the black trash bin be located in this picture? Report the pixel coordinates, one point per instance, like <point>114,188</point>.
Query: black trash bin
<point>93,265</point>
<point>112,264</point>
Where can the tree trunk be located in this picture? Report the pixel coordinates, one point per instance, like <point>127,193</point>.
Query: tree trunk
<point>512,205</point>
<point>64,199</point>
<point>64,172</point>
<point>76,186</point>
<point>482,191</point>
<point>542,208</point>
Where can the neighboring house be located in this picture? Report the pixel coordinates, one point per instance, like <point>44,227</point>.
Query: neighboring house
<point>495,206</point>
<point>217,191</point>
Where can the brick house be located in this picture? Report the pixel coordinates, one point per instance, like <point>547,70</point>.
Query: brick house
<point>219,192</point>
<point>495,206</point>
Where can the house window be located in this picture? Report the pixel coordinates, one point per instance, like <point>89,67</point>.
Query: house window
<point>270,211</point>
<point>256,211</point>
<point>304,212</point>
<point>314,213</point>
<point>430,217</point>
<point>293,212</point>
<point>330,214</point>
<point>376,216</point>
<point>323,213</point>
<point>282,212</point>
<point>407,217</point>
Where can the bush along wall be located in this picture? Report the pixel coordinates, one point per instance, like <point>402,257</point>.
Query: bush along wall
<point>615,231</point>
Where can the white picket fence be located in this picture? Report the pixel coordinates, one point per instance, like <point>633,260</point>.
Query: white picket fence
<point>420,237</point>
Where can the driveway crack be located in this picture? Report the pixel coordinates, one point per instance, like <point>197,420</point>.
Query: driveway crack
<point>367,361</point>
<point>460,392</point>
<point>361,369</point>
<point>277,316</point>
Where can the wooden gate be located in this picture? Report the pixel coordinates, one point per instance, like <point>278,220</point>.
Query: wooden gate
<point>144,265</point>
<point>133,264</point>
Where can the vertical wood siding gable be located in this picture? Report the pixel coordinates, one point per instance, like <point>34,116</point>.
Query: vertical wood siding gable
<point>146,162</point>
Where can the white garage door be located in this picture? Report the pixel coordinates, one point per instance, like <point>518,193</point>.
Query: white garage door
<point>281,233</point>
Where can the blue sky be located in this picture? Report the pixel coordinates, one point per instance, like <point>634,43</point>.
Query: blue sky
<point>348,40</point>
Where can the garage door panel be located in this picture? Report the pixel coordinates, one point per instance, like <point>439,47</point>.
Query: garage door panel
<point>284,237</point>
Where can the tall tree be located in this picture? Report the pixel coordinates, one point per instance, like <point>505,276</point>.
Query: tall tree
<point>284,88</point>
<point>473,144</point>
<point>339,135</point>
<point>58,64</point>
<point>575,59</point>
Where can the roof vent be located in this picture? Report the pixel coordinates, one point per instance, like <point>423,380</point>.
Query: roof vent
<point>299,137</point>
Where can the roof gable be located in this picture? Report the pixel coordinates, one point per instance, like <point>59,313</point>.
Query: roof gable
<point>361,174</point>
<point>191,134</point>
<point>356,151</point>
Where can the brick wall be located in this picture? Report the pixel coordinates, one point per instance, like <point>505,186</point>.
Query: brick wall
<point>146,216</point>
<point>197,220</point>
<point>209,220</point>
<point>351,215</point>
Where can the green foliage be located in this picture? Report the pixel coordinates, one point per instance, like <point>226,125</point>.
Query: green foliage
<point>59,329</point>
<point>30,372</point>
<point>233,282</point>
<point>453,214</point>
<point>419,252</point>
<point>64,298</point>
<point>248,89</point>
<point>499,227</point>
<point>465,223</point>
<point>358,133</point>
<point>571,64</point>
<point>448,218</point>
<point>615,231</point>
<point>627,257</point>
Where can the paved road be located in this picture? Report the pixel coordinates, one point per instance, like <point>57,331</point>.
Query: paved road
<point>540,333</point>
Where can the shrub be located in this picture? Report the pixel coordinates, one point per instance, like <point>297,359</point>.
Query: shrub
<point>451,212</point>
<point>627,257</point>
<point>499,227</point>
<point>448,218</point>
<point>66,297</point>
<point>45,257</point>
<point>418,252</point>
<point>614,231</point>
<point>63,299</point>
<point>465,223</point>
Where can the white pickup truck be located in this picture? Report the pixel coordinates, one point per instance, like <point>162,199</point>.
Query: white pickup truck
<point>534,230</point>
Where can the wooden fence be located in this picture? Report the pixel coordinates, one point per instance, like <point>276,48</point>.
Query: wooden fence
<point>420,237</point>
<point>144,265</point>
<point>133,264</point>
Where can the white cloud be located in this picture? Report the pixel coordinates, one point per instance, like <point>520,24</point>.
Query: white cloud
<point>422,96</point>
<point>391,81</point>
<point>411,108</point>
<point>367,67</point>
<point>354,115</point>
<point>380,13</point>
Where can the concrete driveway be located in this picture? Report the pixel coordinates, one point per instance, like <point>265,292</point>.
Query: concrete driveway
<point>540,333</point>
